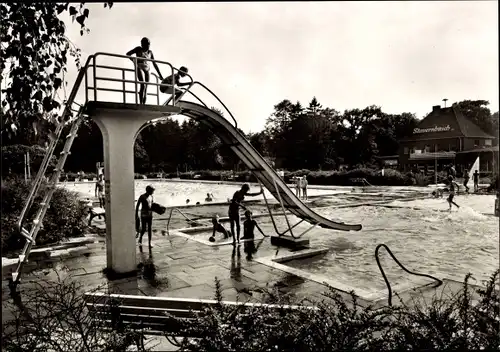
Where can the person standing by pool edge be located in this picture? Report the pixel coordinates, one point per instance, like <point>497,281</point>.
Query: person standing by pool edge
<point>297,186</point>
<point>99,190</point>
<point>303,186</point>
<point>145,201</point>
<point>475,176</point>
<point>466,180</point>
<point>234,209</point>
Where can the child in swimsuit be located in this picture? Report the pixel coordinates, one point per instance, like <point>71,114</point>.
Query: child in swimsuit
<point>99,191</point>
<point>143,52</point>
<point>466,180</point>
<point>452,186</point>
<point>249,226</point>
<point>145,202</point>
<point>218,228</point>
<point>173,80</point>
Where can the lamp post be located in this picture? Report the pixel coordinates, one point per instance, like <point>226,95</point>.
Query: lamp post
<point>445,100</point>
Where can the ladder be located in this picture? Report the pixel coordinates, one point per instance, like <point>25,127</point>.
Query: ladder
<point>36,223</point>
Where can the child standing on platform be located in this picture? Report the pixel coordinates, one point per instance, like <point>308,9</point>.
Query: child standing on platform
<point>143,52</point>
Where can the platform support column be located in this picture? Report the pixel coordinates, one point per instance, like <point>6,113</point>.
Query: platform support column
<point>119,127</point>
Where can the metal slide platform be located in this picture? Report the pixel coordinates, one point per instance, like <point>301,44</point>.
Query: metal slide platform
<point>257,164</point>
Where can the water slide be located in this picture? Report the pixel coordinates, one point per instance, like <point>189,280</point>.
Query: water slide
<point>256,163</point>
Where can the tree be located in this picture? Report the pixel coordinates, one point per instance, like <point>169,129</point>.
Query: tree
<point>34,54</point>
<point>478,112</point>
<point>314,106</point>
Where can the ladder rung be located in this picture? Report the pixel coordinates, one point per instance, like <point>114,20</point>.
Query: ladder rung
<point>26,234</point>
<point>36,221</point>
<point>65,152</point>
<point>22,257</point>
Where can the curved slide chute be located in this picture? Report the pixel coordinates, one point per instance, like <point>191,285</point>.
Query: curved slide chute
<point>257,164</point>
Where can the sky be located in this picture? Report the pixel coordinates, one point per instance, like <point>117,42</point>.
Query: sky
<point>403,56</point>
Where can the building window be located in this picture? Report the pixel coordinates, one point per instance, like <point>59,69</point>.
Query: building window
<point>487,142</point>
<point>476,143</point>
<point>405,150</point>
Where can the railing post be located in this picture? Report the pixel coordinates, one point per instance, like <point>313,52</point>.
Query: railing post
<point>123,86</point>
<point>135,79</point>
<point>86,86</point>
<point>95,79</point>
<point>173,87</point>
<point>157,90</point>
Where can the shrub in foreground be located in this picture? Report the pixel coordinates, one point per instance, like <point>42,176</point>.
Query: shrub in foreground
<point>53,314</point>
<point>64,218</point>
<point>454,323</point>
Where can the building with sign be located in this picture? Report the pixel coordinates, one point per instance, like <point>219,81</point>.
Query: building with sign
<point>445,137</point>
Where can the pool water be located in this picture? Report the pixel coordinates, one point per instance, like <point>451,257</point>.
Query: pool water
<point>426,241</point>
<point>171,193</point>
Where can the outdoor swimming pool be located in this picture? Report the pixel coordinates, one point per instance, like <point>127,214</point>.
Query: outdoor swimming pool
<point>421,233</point>
<point>171,193</point>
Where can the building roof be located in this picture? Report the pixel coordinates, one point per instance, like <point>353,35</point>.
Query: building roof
<point>446,123</point>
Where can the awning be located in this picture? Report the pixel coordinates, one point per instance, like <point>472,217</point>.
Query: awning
<point>432,156</point>
<point>481,150</point>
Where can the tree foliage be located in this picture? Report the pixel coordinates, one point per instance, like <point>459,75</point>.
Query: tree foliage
<point>478,112</point>
<point>33,60</point>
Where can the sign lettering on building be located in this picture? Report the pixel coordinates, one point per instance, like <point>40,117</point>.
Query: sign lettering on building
<point>432,129</point>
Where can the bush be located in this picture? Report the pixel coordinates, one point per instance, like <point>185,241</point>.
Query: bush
<point>453,324</point>
<point>52,316</point>
<point>64,218</point>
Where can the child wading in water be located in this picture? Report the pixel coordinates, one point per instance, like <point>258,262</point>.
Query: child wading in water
<point>143,52</point>
<point>452,185</point>
<point>466,180</point>
<point>249,226</point>
<point>218,228</point>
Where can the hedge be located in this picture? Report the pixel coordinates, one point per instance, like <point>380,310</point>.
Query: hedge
<point>64,218</point>
<point>337,178</point>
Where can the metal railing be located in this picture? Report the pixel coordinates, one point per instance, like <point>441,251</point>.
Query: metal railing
<point>92,89</point>
<point>91,66</point>
<point>389,288</point>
